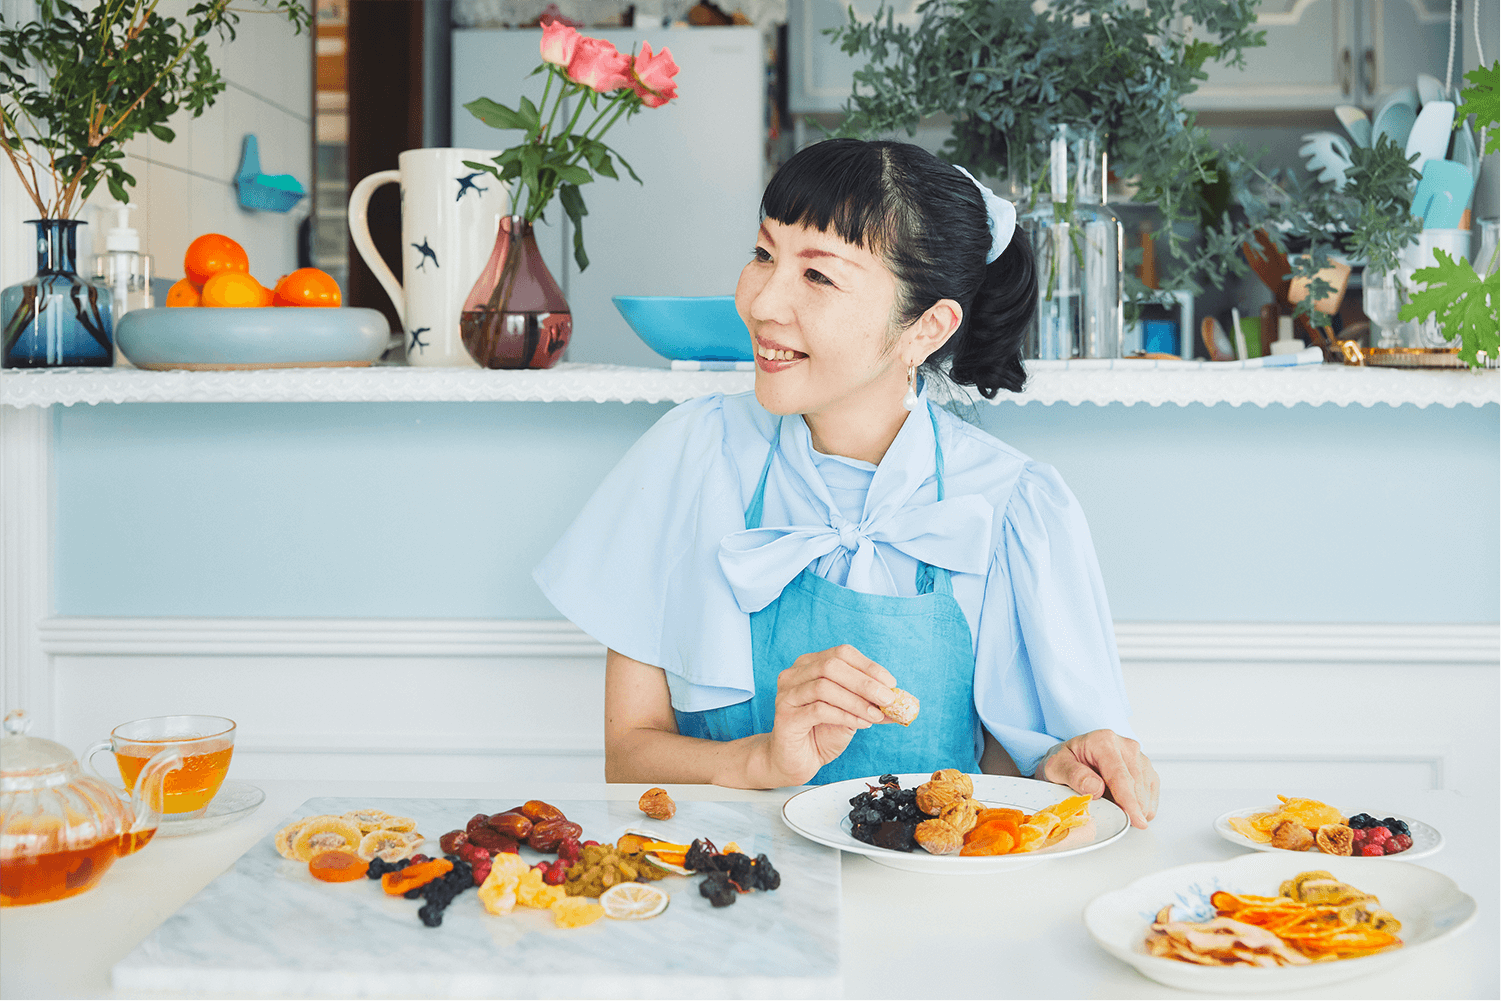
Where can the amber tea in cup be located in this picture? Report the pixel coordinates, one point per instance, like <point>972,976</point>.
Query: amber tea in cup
<point>207,743</point>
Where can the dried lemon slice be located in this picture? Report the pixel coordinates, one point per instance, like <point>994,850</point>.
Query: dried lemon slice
<point>633,901</point>
<point>389,846</point>
<point>367,820</point>
<point>324,833</point>
<point>402,824</point>
<point>286,836</point>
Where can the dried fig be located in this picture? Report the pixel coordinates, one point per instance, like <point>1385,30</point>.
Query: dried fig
<point>932,797</point>
<point>1292,836</point>
<point>938,837</point>
<point>1335,839</point>
<point>513,825</point>
<point>535,810</point>
<point>548,834</point>
<point>957,777</point>
<point>657,805</point>
<point>961,815</point>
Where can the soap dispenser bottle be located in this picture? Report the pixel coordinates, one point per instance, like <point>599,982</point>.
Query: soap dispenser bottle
<point>126,270</point>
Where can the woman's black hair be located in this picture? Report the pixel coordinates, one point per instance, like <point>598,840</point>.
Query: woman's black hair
<point>928,223</point>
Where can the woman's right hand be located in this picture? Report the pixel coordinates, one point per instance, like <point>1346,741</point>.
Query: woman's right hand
<point>822,699</point>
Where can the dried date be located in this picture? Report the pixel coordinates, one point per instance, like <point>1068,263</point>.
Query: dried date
<point>513,825</point>
<point>548,834</point>
<point>535,810</point>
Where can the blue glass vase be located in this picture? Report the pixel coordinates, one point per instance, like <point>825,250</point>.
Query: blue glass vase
<point>56,319</point>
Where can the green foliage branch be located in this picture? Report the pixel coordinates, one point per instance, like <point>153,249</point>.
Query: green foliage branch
<point>76,84</point>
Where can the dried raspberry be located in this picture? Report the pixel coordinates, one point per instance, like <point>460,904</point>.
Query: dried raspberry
<point>1371,850</point>
<point>555,874</point>
<point>1402,841</point>
<point>481,870</point>
<point>416,859</point>
<point>1376,835</point>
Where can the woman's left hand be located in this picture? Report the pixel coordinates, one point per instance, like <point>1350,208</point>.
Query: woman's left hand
<point>1103,763</point>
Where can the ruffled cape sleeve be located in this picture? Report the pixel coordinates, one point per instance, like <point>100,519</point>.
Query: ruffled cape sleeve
<point>638,569</point>
<point>1046,666</point>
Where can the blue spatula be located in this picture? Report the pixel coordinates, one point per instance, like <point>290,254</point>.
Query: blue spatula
<point>1442,194</point>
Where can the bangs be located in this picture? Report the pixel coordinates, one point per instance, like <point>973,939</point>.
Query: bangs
<point>840,186</point>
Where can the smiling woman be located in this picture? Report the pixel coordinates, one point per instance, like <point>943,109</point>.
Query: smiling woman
<point>767,569</point>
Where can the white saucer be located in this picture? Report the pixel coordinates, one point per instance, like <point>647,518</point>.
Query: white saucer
<point>234,800</point>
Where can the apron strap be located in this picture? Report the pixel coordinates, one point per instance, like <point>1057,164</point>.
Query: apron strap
<point>929,578</point>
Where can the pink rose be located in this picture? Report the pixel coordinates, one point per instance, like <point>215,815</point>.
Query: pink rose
<point>558,43</point>
<point>653,76</point>
<point>599,65</point>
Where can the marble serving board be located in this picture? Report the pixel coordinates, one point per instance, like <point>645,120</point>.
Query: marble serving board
<point>266,928</point>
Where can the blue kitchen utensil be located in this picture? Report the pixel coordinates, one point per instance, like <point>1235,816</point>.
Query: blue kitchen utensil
<point>1442,194</point>
<point>688,328</point>
<point>1395,116</point>
<point>264,192</point>
<point>1355,122</point>
<point>1429,138</point>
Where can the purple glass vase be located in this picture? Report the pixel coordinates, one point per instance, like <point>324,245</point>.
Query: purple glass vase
<point>516,316</point>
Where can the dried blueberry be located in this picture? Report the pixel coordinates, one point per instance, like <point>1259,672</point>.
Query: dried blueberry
<point>888,780</point>
<point>1396,826</point>
<point>1361,820</point>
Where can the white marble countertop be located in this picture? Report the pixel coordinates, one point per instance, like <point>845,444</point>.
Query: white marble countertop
<point>1015,934</point>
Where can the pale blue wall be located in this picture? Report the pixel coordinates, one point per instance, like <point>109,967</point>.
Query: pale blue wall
<point>1303,514</point>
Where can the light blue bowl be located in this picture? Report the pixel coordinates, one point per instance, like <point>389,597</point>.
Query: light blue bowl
<point>688,328</point>
<point>269,337</point>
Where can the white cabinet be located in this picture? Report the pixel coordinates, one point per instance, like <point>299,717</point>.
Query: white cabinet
<point>1321,53</point>
<point>819,75</point>
<point>687,229</point>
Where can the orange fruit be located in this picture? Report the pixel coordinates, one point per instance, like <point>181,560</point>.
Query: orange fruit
<point>210,254</point>
<point>184,293</point>
<point>307,287</point>
<point>235,288</point>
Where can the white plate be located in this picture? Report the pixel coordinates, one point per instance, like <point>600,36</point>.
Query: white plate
<point>1425,840</point>
<point>821,814</point>
<point>1429,905</point>
<point>233,801</point>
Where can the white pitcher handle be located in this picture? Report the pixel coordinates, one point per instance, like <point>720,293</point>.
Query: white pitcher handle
<point>359,228</point>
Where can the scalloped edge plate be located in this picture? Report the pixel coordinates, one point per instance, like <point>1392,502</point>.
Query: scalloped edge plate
<point>1426,840</point>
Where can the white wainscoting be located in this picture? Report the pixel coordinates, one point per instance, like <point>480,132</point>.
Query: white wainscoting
<point>1312,709</point>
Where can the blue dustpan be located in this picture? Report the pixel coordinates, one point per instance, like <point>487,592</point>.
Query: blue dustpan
<point>1442,194</point>
<point>264,192</point>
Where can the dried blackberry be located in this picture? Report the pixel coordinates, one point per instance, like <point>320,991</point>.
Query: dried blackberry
<point>861,800</point>
<point>865,815</point>
<point>763,875</point>
<point>716,886</point>
<point>701,855</point>
<point>888,780</point>
<point>896,835</point>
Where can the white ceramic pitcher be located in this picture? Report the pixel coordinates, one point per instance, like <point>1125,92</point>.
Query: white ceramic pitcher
<point>449,217</point>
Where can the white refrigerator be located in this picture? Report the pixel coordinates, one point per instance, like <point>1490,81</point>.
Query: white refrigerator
<point>690,226</point>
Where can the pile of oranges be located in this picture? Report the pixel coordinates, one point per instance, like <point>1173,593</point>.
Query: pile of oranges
<point>218,274</point>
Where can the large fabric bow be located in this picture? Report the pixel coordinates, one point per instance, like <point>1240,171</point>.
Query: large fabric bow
<point>953,533</point>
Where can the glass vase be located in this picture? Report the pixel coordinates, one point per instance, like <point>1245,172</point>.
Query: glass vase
<point>58,318</point>
<point>516,316</point>
<point>1078,243</point>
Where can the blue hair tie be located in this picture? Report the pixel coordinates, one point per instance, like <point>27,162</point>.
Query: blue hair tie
<point>999,213</point>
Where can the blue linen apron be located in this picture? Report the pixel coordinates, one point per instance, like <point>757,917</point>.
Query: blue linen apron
<point>923,641</point>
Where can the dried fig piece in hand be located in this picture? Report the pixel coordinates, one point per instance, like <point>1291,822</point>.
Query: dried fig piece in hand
<point>1292,836</point>
<point>656,804</point>
<point>938,837</point>
<point>1335,839</point>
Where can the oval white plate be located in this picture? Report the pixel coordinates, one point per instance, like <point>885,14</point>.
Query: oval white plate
<point>1425,840</point>
<point>1429,905</point>
<point>821,814</point>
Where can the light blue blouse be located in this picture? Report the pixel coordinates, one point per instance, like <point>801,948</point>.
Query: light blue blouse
<point>660,567</point>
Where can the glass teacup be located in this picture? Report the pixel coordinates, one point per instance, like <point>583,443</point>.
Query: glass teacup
<point>206,742</point>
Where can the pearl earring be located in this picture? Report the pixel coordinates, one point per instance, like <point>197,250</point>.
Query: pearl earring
<point>910,400</point>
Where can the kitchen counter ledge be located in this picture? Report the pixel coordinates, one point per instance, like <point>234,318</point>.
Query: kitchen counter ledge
<point>1050,382</point>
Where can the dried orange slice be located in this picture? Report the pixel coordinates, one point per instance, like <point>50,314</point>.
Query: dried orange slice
<point>325,833</point>
<point>633,901</point>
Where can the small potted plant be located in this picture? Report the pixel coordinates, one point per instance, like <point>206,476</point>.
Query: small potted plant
<point>75,85</point>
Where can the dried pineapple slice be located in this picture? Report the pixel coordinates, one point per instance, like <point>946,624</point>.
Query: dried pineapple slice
<point>1309,812</point>
<point>575,912</point>
<point>532,892</point>
<point>1245,827</point>
<point>367,820</point>
<point>286,836</point>
<point>389,846</point>
<point>325,833</point>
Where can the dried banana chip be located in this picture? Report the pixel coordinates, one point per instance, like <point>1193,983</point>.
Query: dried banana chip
<point>367,820</point>
<point>286,836</point>
<point>389,846</point>
<point>325,833</point>
<point>403,824</point>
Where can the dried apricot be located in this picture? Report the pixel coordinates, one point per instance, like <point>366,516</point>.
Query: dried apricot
<point>413,876</point>
<point>337,866</point>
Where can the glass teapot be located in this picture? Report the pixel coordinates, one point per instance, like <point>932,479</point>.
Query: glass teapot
<point>60,830</point>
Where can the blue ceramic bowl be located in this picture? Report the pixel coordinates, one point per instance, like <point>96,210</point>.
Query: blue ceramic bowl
<point>270,337</point>
<point>688,328</point>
